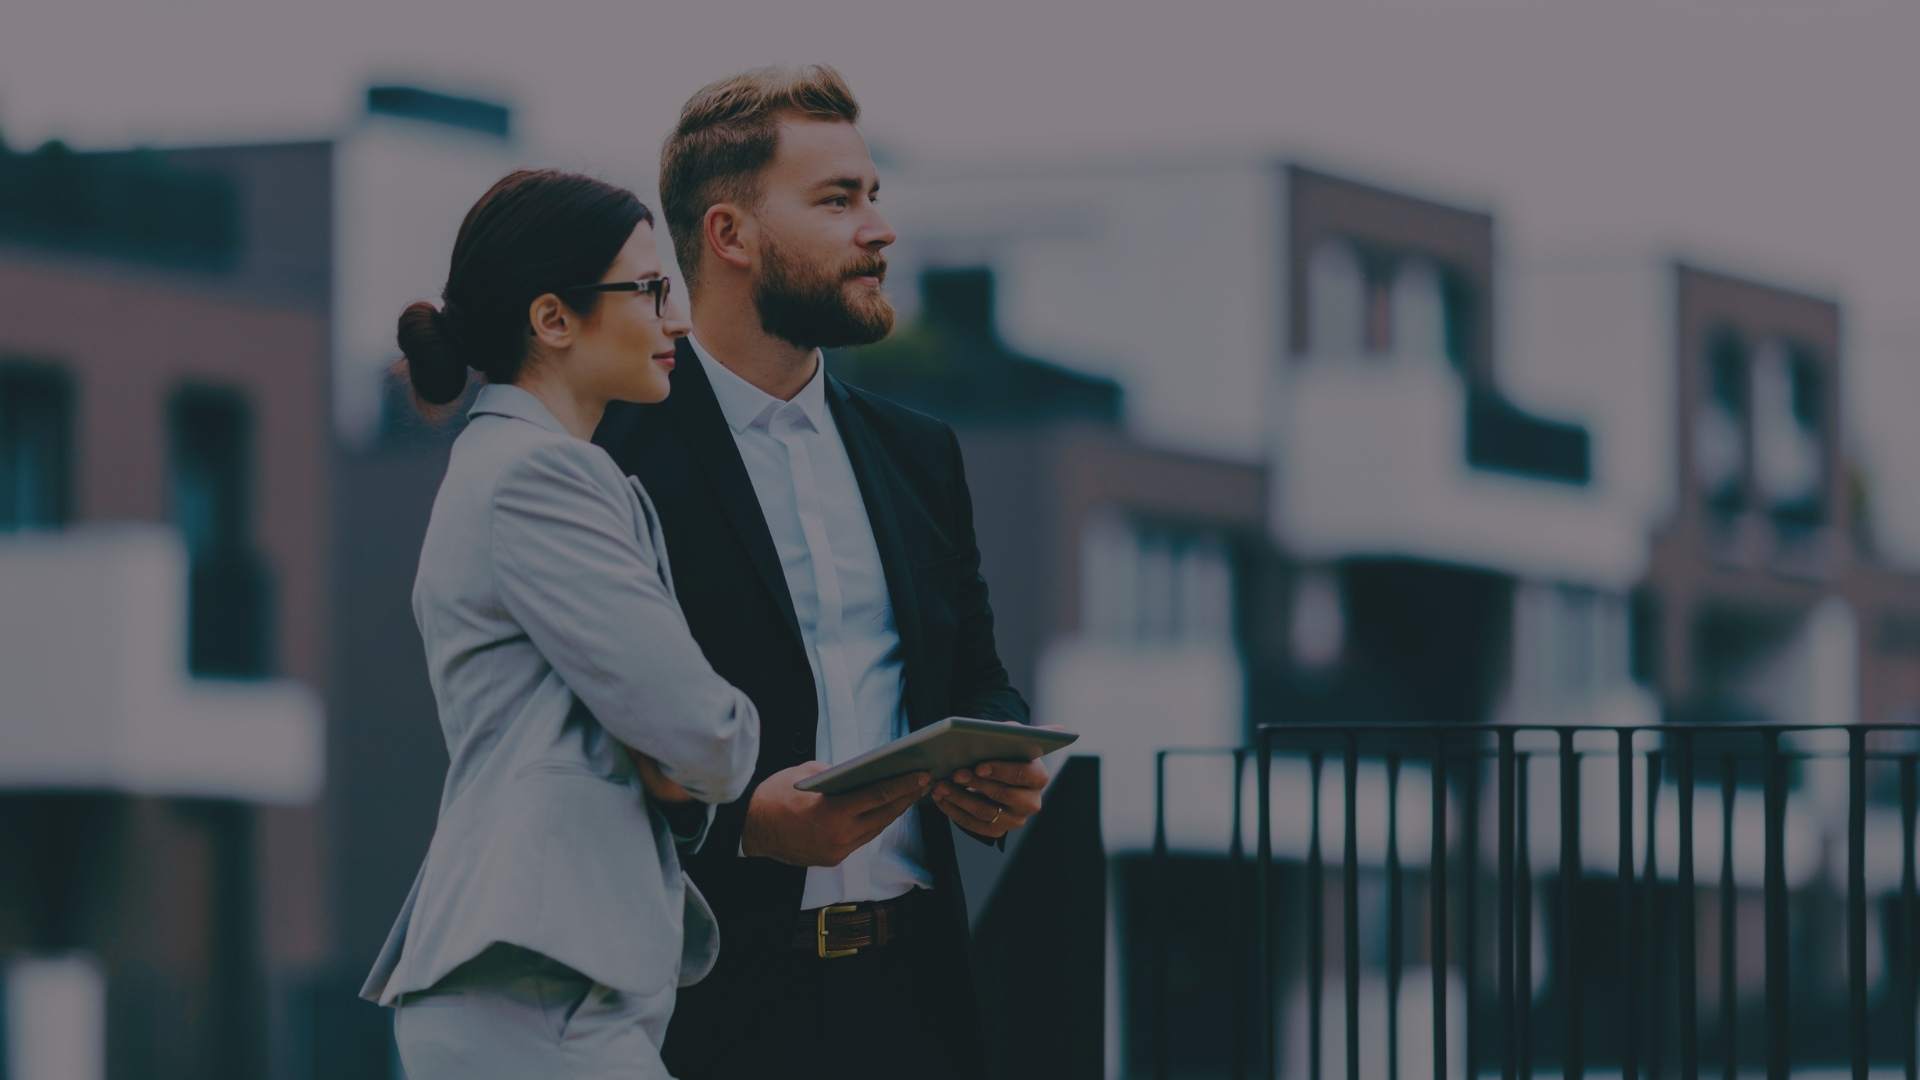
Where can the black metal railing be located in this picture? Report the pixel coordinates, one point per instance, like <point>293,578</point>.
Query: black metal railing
<point>1624,985</point>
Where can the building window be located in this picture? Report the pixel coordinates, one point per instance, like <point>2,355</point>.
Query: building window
<point>1789,438</point>
<point>227,591</point>
<point>36,447</point>
<point>1152,582</point>
<point>1336,300</point>
<point>1419,312</point>
<point>1459,298</point>
<point>1720,426</point>
<point>1378,283</point>
<point>54,1013</point>
<point>1377,301</point>
<point>1570,644</point>
<point>1317,629</point>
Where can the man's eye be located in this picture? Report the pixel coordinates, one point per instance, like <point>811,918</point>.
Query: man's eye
<point>839,200</point>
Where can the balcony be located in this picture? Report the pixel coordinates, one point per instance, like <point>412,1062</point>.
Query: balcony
<point>1396,458</point>
<point>98,691</point>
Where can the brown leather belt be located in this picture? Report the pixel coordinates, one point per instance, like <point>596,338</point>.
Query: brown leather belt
<point>842,930</point>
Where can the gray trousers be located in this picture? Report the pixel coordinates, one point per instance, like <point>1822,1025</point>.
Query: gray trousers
<point>514,1013</point>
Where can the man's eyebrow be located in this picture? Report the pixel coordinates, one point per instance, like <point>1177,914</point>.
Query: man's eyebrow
<point>849,183</point>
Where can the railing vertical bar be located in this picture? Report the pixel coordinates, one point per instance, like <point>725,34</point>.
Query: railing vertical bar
<point>1267,938</point>
<point>1350,904</point>
<point>1857,897</point>
<point>1523,919</point>
<point>1437,879</point>
<point>1729,945</point>
<point>1687,901</point>
<point>1394,928</point>
<point>1910,914</point>
<point>1237,861</point>
<point>1650,921</point>
<point>1568,975</point>
<point>1163,889</point>
<point>1778,1015</point>
<point>1469,920</point>
<point>1316,920</point>
<point>1630,968</point>
<point>1507,1059</point>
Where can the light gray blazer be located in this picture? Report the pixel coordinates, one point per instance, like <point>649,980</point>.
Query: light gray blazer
<point>552,635</point>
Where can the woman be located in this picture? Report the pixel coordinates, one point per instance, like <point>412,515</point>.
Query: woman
<point>550,926</point>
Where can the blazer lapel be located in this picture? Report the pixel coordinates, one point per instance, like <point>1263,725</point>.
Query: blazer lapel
<point>710,443</point>
<point>881,488</point>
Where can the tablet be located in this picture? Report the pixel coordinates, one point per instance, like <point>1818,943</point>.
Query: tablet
<point>958,742</point>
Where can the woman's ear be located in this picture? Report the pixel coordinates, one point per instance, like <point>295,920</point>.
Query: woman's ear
<point>553,322</point>
<point>730,235</point>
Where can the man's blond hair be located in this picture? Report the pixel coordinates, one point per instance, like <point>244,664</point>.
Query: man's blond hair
<point>727,135</point>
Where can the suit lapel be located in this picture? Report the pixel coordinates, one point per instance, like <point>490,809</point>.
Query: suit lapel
<point>710,442</point>
<point>881,489</point>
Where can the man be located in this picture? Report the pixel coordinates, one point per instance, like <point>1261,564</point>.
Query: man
<point>822,546</point>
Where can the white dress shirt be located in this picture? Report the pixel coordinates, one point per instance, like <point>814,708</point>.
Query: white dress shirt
<point>811,500</point>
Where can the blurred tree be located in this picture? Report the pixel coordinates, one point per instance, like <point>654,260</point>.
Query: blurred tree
<point>952,363</point>
<point>135,204</point>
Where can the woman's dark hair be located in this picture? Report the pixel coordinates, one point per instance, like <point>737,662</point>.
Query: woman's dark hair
<point>536,231</point>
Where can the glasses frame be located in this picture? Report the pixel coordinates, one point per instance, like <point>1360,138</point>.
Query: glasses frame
<point>659,287</point>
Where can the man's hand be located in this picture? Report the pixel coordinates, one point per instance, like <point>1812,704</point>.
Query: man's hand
<point>806,828</point>
<point>993,798</point>
<point>659,788</point>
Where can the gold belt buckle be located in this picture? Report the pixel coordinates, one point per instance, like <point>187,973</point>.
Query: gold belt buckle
<point>833,909</point>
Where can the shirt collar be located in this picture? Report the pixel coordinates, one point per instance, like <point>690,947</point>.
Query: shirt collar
<point>742,403</point>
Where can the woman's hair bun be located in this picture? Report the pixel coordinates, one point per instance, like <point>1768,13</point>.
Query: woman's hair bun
<point>430,341</point>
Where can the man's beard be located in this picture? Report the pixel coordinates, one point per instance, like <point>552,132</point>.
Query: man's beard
<point>810,307</point>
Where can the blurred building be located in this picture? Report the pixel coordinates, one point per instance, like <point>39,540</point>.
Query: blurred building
<point>1765,593</point>
<point>167,589</point>
<point>219,766</point>
<point>1591,492</point>
<point>1488,506</point>
<point>1342,339</point>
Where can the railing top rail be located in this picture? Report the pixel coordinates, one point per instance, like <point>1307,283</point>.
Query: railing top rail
<point>1664,727</point>
<point>1491,754</point>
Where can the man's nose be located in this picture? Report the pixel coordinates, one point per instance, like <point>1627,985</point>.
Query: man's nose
<point>675,322</point>
<point>878,233</point>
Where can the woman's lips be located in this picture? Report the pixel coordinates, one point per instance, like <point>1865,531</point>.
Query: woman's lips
<point>664,359</point>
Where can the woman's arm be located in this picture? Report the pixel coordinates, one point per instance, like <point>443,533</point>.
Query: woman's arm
<point>573,574</point>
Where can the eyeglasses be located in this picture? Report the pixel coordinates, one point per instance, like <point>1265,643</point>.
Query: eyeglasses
<point>658,287</point>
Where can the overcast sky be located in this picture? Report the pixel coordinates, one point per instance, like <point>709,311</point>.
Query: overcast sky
<point>1776,138</point>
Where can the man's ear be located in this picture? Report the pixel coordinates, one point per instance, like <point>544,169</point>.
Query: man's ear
<point>553,322</point>
<point>731,235</point>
